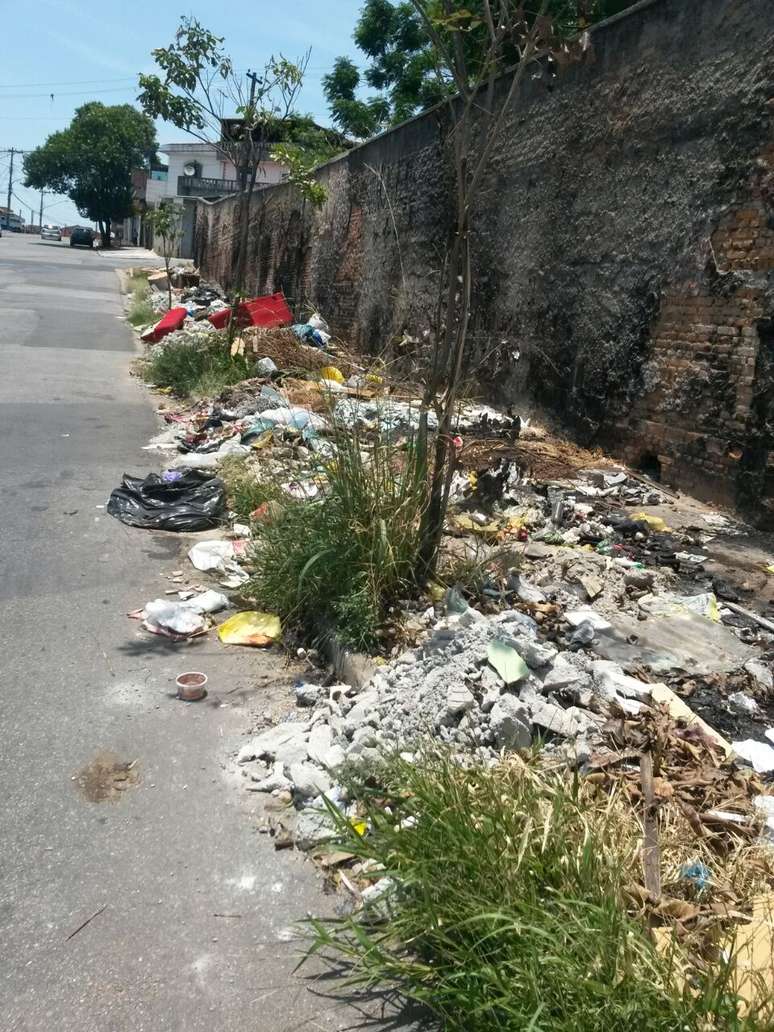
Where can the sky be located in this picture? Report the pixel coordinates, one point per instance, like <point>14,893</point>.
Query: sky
<point>81,50</point>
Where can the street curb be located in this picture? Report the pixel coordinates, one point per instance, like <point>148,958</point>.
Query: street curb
<point>353,668</point>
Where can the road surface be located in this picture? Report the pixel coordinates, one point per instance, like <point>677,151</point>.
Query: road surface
<point>191,909</point>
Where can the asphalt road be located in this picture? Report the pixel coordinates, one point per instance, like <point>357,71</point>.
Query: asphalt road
<point>159,865</point>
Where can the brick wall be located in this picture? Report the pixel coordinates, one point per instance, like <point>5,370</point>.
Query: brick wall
<point>591,238</point>
<point>706,402</point>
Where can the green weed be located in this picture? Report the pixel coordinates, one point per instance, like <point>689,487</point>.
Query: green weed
<point>245,492</point>
<point>140,311</point>
<point>508,909</point>
<point>341,559</point>
<point>200,369</point>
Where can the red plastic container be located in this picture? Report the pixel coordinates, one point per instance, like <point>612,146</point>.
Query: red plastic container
<point>173,320</point>
<point>269,311</point>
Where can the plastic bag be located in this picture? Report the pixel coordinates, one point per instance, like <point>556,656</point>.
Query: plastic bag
<point>172,618</point>
<point>250,628</point>
<point>197,501</point>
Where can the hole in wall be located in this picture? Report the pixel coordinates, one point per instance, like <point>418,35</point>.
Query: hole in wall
<point>649,464</point>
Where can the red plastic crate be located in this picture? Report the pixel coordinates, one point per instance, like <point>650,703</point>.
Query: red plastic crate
<point>173,320</point>
<point>269,311</point>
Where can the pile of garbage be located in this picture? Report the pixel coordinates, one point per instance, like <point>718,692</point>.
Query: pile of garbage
<point>482,685</point>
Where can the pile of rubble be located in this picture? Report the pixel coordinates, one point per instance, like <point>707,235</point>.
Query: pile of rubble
<point>480,684</point>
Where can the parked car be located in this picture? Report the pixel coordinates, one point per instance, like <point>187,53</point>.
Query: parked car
<point>81,236</point>
<point>49,232</point>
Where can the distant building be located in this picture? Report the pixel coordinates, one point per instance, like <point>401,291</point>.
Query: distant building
<point>11,221</point>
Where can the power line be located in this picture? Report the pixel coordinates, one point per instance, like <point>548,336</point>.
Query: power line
<point>74,82</point>
<point>64,93</point>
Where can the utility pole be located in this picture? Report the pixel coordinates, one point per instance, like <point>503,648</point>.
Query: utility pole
<point>41,212</point>
<point>10,190</point>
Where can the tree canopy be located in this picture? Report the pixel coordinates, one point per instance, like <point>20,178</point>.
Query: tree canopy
<point>92,161</point>
<point>402,65</point>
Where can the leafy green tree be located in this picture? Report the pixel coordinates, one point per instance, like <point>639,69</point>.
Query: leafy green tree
<point>402,63</point>
<point>92,161</point>
<point>244,116</point>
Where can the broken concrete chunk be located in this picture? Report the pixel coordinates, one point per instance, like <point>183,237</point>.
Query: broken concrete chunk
<point>274,782</point>
<point>307,694</point>
<point>538,654</point>
<point>459,700</point>
<point>314,827</point>
<point>319,744</point>
<point>334,758</point>
<point>308,780</point>
<point>510,723</point>
<point>569,723</point>
<point>269,743</point>
<point>491,680</point>
<point>514,616</point>
<point>563,674</point>
<point>642,580</point>
<point>507,661</point>
<point>611,678</point>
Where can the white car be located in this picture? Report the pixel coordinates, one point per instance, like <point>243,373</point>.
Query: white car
<point>49,232</point>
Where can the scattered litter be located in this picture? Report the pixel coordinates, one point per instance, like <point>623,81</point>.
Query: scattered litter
<point>761,756</point>
<point>172,619</point>
<point>211,555</point>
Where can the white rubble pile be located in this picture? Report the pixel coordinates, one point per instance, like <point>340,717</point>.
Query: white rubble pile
<point>482,685</point>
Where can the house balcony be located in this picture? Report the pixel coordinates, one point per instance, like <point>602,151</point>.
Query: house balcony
<point>199,186</point>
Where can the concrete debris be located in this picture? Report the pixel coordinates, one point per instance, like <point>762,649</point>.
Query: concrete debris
<point>307,694</point>
<point>273,782</point>
<point>459,700</point>
<point>314,826</point>
<point>308,780</point>
<point>510,724</point>
<point>468,685</point>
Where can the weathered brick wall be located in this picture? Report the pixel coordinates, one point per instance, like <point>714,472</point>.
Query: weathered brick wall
<point>704,414</point>
<point>591,238</point>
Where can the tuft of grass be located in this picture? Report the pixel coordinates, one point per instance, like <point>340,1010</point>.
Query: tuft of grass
<point>244,491</point>
<point>508,908</point>
<point>200,369</point>
<point>343,558</point>
<point>140,311</point>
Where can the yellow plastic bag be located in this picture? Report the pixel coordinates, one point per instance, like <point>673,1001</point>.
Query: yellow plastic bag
<point>654,522</point>
<point>330,372</point>
<point>250,628</point>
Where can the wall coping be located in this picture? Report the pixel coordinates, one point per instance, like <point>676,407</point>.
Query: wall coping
<point>635,11</point>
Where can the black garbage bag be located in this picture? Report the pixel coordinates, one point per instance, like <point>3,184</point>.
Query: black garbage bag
<point>196,501</point>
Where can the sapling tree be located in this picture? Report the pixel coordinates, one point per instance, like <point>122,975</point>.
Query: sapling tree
<point>199,90</point>
<point>166,223</point>
<point>476,110</point>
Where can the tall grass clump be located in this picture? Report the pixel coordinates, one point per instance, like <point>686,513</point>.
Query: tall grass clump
<point>140,312</point>
<point>343,557</point>
<point>508,911</point>
<point>244,491</point>
<point>200,368</point>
